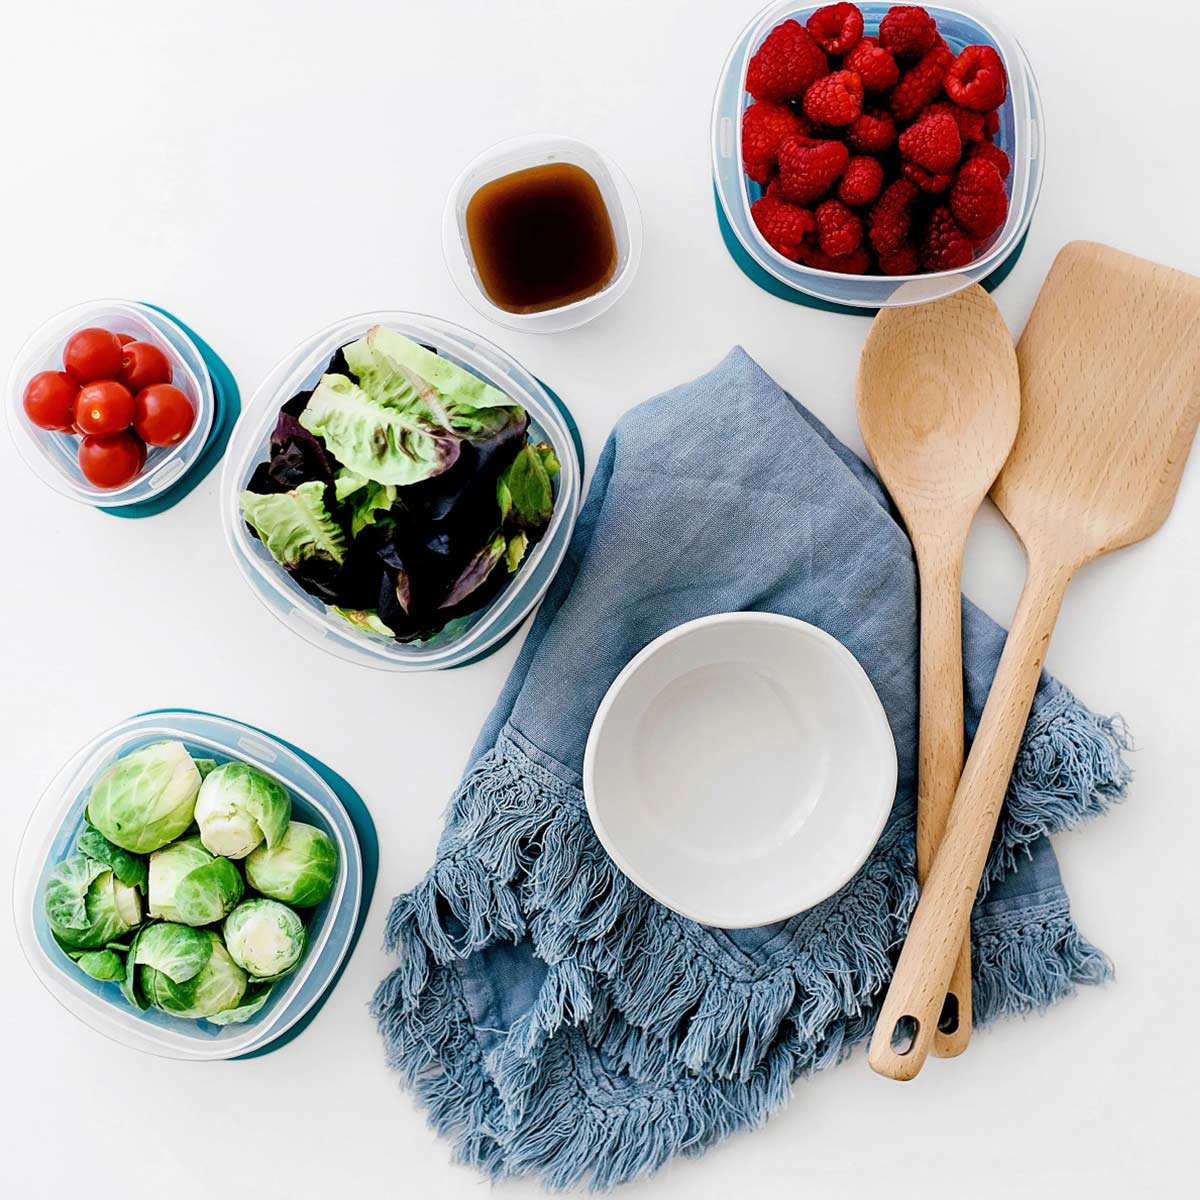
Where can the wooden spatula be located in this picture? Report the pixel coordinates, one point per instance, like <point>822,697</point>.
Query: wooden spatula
<point>1110,399</point>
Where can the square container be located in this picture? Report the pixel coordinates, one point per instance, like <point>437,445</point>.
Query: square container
<point>50,837</point>
<point>462,640</point>
<point>1020,136</point>
<point>519,154</point>
<point>53,457</point>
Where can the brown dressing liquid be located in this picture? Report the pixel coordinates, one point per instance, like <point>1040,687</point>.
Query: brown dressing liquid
<point>541,238</point>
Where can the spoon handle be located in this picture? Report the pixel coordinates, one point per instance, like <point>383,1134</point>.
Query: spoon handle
<point>940,748</point>
<point>943,916</point>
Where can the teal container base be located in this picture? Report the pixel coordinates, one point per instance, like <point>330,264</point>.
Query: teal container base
<point>765,280</point>
<point>227,406</point>
<point>368,844</point>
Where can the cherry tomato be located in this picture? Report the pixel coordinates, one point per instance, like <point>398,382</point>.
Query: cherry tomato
<point>92,354</point>
<point>125,338</point>
<point>162,415</point>
<point>143,365</point>
<point>111,462</point>
<point>50,400</point>
<point>104,408</point>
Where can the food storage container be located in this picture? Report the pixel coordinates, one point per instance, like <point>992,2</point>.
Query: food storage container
<point>469,637</point>
<point>53,456</point>
<point>332,926</point>
<point>1021,136</point>
<point>518,154</point>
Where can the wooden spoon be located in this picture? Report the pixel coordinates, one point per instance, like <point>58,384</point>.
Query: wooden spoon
<point>939,398</point>
<point>1110,399</point>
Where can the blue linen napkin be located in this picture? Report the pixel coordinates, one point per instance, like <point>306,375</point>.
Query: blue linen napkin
<point>556,1021</point>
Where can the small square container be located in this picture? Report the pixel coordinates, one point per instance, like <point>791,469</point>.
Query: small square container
<point>50,837</point>
<point>469,637</point>
<point>53,457</point>
<point>519,154</point>
<point>1020,136</point>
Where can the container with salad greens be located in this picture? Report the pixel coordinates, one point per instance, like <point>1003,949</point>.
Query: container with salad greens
<point>188,886</point>
<point>401,492</point>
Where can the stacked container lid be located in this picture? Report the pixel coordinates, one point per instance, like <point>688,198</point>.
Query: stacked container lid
<point>332,927</point>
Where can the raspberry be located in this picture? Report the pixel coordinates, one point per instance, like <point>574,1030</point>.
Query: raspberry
<point>907,31</point>
<point>977,200</point>
<point>920,85</point>
<point>903,262</point>
<point>970,123</point>
<point>875,66</point>
<point>836,27</point>
<point>992,154</point>
<point>808,168</point>
<point>976,79</point>
<point>991,124</point>
<point>946,245</point>
<point>764,126</point>
<point>786,64</point>
<point>861,182</point>
<point>872,133</point>
<point>927,181</point>
<point>932,142</point>
<point>858,262</point>
<point>839,231</point>
<point>834,100</point>
<point>890,218</point>
<point>784,226</point>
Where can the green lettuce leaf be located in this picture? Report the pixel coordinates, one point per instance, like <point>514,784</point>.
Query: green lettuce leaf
<point>294,526</point>
<point>524,491</point>
<point>516,552</point>
<point>363,619</point>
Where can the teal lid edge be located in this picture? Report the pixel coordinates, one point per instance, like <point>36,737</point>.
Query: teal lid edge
<point>227,407</point>
<point>776,287</point>
<point>368,844</point>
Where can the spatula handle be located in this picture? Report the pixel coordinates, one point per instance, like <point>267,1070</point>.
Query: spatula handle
<point>914,1001</point>
<point>940,747</point>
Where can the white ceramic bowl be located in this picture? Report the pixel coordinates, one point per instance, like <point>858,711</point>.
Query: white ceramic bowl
<point>740,768</point>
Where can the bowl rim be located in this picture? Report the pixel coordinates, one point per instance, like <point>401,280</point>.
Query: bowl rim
<point>321,628</point>
<point>1031,129</point>
<point>875,711</point>
<point>63,800</point>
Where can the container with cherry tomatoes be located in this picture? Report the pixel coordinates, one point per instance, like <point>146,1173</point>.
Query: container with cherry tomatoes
<point>110,403</point>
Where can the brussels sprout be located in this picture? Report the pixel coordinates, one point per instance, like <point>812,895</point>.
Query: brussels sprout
<point>168,868</point>
<point>188,884</point>
<point>87,905</point>
<point>177,951</point>
<point>265,938</point>
<point>105,965</point>
<point>218,986</point>
<point>128,868</point>
<point>238,807</point>
<point>146,799</point>
<point>251,1003</point>
<point>208,893</point>
<point>299,870</point>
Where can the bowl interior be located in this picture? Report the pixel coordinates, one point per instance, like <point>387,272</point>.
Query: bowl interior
<point>962,25</point>
<point>741,768</point>
<point>309,616</point>
<point>54,456</point>
<point>60,818</point>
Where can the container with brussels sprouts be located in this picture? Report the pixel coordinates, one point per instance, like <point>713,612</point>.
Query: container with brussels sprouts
<point>153,898</point>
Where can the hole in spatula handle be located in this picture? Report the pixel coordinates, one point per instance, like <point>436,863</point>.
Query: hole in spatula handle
<point>904,1035</point>
<point>948,1021</point>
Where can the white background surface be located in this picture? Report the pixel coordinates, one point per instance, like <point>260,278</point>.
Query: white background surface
<point>262,169</point>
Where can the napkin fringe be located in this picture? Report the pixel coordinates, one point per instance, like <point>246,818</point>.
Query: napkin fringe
<point>1070,769</point>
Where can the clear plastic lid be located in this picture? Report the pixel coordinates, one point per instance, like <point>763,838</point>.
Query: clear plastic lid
<point>1021,137</point>
<point>56,823</point>
<point>53,457</point>
<point>467,637</point>
<point>519,154</point>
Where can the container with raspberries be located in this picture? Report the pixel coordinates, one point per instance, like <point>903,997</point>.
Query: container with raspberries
<point>872,154</point>
<point>110,403</point>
